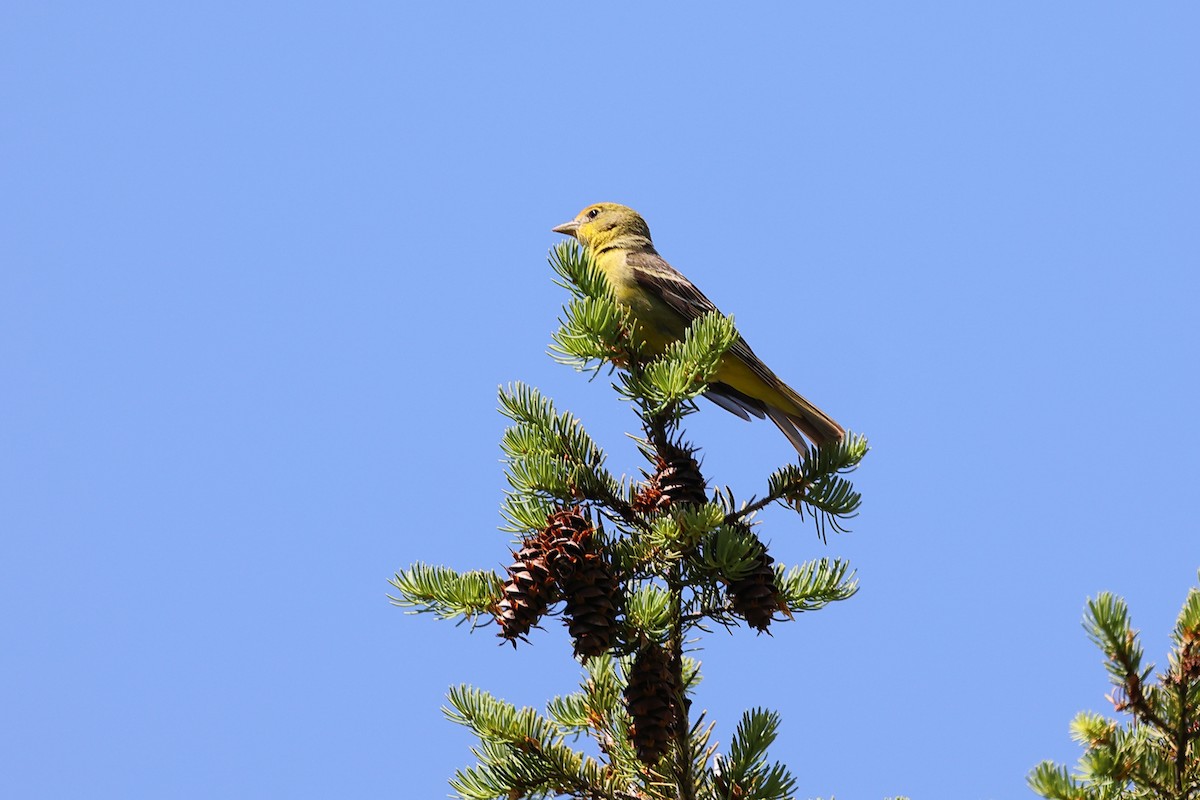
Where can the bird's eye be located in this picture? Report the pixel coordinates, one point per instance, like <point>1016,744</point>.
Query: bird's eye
<point>595,212</point>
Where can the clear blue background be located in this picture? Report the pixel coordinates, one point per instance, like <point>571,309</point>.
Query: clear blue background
<point>263,267</point>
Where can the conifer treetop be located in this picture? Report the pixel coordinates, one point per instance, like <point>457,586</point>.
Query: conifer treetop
<point>638,567</point>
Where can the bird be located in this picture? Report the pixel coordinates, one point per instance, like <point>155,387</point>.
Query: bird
<point>663,302</point>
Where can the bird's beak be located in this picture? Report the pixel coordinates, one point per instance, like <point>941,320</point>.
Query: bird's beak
<point>568,228</point>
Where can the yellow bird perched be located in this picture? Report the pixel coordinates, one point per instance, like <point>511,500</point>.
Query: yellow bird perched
<point>664,303</point>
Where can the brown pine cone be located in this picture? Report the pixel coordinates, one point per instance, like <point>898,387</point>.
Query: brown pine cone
<point>756,596</point>
<point>527,593</point>
<point>652,700</point>
<point>586,582</point>
<point>676,479</point>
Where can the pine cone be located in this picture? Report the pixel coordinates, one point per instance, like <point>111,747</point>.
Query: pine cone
<point>651,698</point>
<point>586,581</point>
<point>528,591</point>
<point>1189,660</point>
<point>676,479</point>
<point>593,601</point>
<point>756,596</point>
<point>564,540</point>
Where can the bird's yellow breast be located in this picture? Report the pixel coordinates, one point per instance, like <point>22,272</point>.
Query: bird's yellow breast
<point>620,275</point>
<point>659,323</point>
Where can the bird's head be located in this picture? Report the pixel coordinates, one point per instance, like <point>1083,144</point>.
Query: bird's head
<point>604,225</point>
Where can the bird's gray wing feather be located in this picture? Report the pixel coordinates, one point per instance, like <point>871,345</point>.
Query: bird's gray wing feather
<point>652,272</point>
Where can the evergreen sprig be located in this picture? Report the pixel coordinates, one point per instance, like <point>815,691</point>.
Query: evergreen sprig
<point>446,593</point>
<point>817,485</point>
<point>521,753</point>
<point>745,774</point>
<point>683,371</point>
<point>587,327</point>
<point>816,584</point>
<point>729,551</point>
<point>594,329</point>
<point>648,609</point>
<point>578,271</point>
<point>1156,754</point>
<point>551,457</point>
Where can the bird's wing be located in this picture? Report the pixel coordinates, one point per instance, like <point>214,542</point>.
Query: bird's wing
<point>654,275</point>
<point>735,402</point>
<point>652,272</point>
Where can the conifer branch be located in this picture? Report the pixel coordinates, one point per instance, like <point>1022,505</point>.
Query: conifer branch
<point>1108,626</point>
<point>1154,756</point>
<point>816,483</point>
<point>816,584</point>
<point>521,753</point>
<point>578,271</point>
<point>445,593</point>
<point>594,329</point>
<point>745,773</point>
<point>551,457</point>
<point>683,371</point>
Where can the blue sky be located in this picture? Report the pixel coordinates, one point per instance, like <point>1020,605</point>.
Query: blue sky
<point>263,267</point>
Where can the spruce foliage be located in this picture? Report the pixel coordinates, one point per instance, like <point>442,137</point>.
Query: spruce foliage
<point>637,568</point>
<point>1154,755</point>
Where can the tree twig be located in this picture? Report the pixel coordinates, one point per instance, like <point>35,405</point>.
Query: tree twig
<point>683,747</point>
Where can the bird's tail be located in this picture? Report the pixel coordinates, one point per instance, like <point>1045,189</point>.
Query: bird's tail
<point>804,417</point>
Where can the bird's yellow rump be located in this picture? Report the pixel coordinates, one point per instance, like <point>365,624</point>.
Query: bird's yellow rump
<point>664,303</point>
